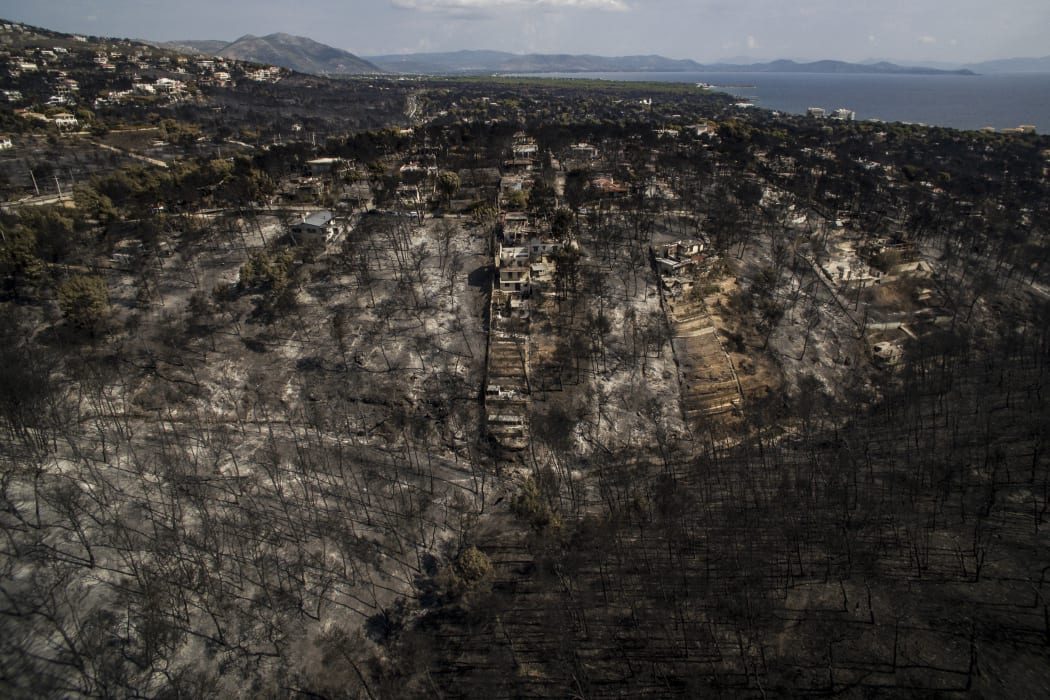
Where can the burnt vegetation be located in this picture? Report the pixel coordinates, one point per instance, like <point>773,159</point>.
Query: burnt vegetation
<point>776,390</point>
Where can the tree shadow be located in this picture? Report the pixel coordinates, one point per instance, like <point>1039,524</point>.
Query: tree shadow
<point>479,277</point>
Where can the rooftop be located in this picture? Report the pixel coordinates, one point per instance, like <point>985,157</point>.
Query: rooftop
<point>319,219</point>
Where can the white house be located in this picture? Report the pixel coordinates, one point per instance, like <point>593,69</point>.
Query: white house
<point>525,150</point>
<point>323,166</point>
<point>584,150</point>
<point>524,146</point>
<point>168,85</point>
<point>64,120</point>
<point>515,276</point>
<point>320,226</point>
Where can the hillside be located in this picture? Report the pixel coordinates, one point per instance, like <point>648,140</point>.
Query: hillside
<point>510,388</point>
<point>210,47</point>
<point>285,50</point>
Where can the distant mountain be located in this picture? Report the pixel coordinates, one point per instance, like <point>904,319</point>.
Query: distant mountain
<point>448,62</point>
<point>294,52</point>
<point>210,47</point>
<point>501,62</point>
<point>1013,65</point>
<point>783,66</point>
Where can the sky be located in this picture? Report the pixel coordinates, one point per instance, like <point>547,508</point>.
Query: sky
<point>950,31</point>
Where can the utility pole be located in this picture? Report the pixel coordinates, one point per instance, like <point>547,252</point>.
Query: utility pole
<point>34,182</point>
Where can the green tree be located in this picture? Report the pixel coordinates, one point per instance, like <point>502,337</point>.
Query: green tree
<point>531,505</point>
<point>472,565</point>
<point>484,214</point>
<point>267,271</point>
<point>517,200</point>
<point>178,133</point>
<point>94,204</point>
<point>54,232</point>
<point>561,223</point>
<point>542,198</point>
<point>566,270</point>
<point>19,264</point>
<point>448,184</point>
<point>468,572</point>
<point>84,301</point>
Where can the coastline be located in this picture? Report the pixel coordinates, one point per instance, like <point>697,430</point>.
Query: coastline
<point>967,102</point>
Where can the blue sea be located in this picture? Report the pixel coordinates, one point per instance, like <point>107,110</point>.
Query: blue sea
<point>999,100</point>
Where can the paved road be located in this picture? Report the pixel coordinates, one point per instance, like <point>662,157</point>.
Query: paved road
<point>131,154</point>
<point>42,200</point>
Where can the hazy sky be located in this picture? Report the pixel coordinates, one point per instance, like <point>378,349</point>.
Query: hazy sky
<point>705,30</point>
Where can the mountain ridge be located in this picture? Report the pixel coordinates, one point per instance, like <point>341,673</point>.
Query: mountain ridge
<point>308,56</point>
<point>297,53</point>
<point>466,62</point>
<point>1012,65</point>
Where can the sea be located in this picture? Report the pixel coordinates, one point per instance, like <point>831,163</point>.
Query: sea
<point>999,100</point>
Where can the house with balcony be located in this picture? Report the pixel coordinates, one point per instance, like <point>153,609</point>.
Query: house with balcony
<point>320,227</point>
<point>64,120</point>
<point>672,258</point>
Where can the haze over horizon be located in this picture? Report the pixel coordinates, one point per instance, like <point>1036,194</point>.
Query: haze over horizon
<point>945,31</point>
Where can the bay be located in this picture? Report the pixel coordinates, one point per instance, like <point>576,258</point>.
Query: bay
<point>998,100</point>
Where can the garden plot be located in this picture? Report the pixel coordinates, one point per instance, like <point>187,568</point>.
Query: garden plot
<point>709,384</point>
<point>507,384</point>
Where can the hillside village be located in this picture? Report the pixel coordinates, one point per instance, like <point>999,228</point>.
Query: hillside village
<point>428,387</point>
<point>43,69</point>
